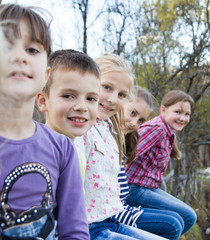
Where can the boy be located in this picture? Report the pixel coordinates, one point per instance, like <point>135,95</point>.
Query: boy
<point>70,97</point>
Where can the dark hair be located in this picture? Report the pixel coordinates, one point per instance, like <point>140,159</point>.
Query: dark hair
<point>131,143</point>
<point>132,138</point>
<point>138,92</point>
<point>71,60</point>
<point>174,96</point>
<point>12,14</point>
<point>169,99</point>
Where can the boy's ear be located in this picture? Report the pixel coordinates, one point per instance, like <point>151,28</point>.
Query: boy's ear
<point>41,102</point>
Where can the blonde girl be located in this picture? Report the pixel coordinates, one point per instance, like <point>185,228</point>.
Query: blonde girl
<point>156,146</point>
<point>103,149</point>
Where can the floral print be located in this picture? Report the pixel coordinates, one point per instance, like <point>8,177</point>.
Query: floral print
<point>102,192</point>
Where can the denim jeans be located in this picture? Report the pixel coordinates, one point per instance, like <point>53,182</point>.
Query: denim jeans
<point>112,229</point>
<point>163,223</point>
<point>159,199</point>
<point>31,230</point>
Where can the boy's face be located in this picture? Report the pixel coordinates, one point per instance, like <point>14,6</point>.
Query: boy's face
<point>72,105</point>
<point>27,70</point>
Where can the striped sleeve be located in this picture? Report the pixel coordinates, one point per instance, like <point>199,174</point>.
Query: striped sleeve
<point>129,215</point>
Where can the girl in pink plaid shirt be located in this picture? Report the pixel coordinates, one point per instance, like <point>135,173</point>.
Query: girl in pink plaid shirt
<point>156,145</point>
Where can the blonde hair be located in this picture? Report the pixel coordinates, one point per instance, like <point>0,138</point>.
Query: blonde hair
<point>169,99</point>
<point>114,63</point>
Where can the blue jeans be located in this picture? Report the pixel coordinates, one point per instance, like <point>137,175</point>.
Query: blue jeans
<point>159,199</point>
<point>163,223</point>
<point>31,230</point>
<point>112,229</point>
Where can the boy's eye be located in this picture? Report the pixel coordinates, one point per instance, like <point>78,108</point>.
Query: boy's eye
<point>32,50</point>
<point>67,96</point>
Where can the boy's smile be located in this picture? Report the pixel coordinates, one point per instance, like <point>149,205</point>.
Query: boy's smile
<point>72,104</point>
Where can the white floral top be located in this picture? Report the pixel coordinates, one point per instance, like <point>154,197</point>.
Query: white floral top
<point>102,192</point>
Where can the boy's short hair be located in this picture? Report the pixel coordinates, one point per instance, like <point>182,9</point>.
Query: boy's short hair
<point>70,60</point>
<point>12,14</point>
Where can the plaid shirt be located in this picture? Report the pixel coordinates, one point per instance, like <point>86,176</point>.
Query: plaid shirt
<point>153,154</point>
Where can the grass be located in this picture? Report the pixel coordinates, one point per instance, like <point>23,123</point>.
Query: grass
<point>193,234</point>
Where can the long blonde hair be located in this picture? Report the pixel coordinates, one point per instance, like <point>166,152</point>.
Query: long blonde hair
<point>114,63</point>
<point>169,99</point>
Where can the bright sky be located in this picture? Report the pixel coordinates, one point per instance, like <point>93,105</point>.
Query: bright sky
<point>64,33</point>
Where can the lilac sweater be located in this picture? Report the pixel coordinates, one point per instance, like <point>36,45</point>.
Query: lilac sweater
<point>57,154</point>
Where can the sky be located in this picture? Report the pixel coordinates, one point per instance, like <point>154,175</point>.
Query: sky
<point>64,32</point>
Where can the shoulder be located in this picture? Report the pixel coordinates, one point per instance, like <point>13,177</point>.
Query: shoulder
<point>57,144</point>
<point>155,126</point>
<point>52,136</point>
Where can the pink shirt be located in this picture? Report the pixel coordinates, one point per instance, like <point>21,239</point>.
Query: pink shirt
<point>154,149</point>
<point>102,192</point>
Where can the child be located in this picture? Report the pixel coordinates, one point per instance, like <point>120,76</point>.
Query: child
<point>146,172</point>
<point>71,109</point>
<point>41,167</point>
<point>167,224</point>
<point>102,146</point>
<point>138,108</point>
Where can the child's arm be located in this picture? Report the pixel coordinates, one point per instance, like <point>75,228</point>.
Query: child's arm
<point>150,136</point>
<point>153,144</point>
<point>72,221</point>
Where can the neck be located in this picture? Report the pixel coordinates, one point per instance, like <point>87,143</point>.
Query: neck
<point>16,119</point>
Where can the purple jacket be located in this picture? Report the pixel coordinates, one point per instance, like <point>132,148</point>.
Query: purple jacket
<point>57,154</point>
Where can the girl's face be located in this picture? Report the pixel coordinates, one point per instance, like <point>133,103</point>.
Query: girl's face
<point>26,66</point>
<point>114,89</point>
<point>135,113</point>
<point>177,115</point>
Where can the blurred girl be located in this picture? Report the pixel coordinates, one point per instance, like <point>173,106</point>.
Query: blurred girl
<point>156,145</point>
<point>41,185</point>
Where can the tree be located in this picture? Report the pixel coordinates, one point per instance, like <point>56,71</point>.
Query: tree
<point>84,8</point>
<point>118,30</point>
<point>165,62</point>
